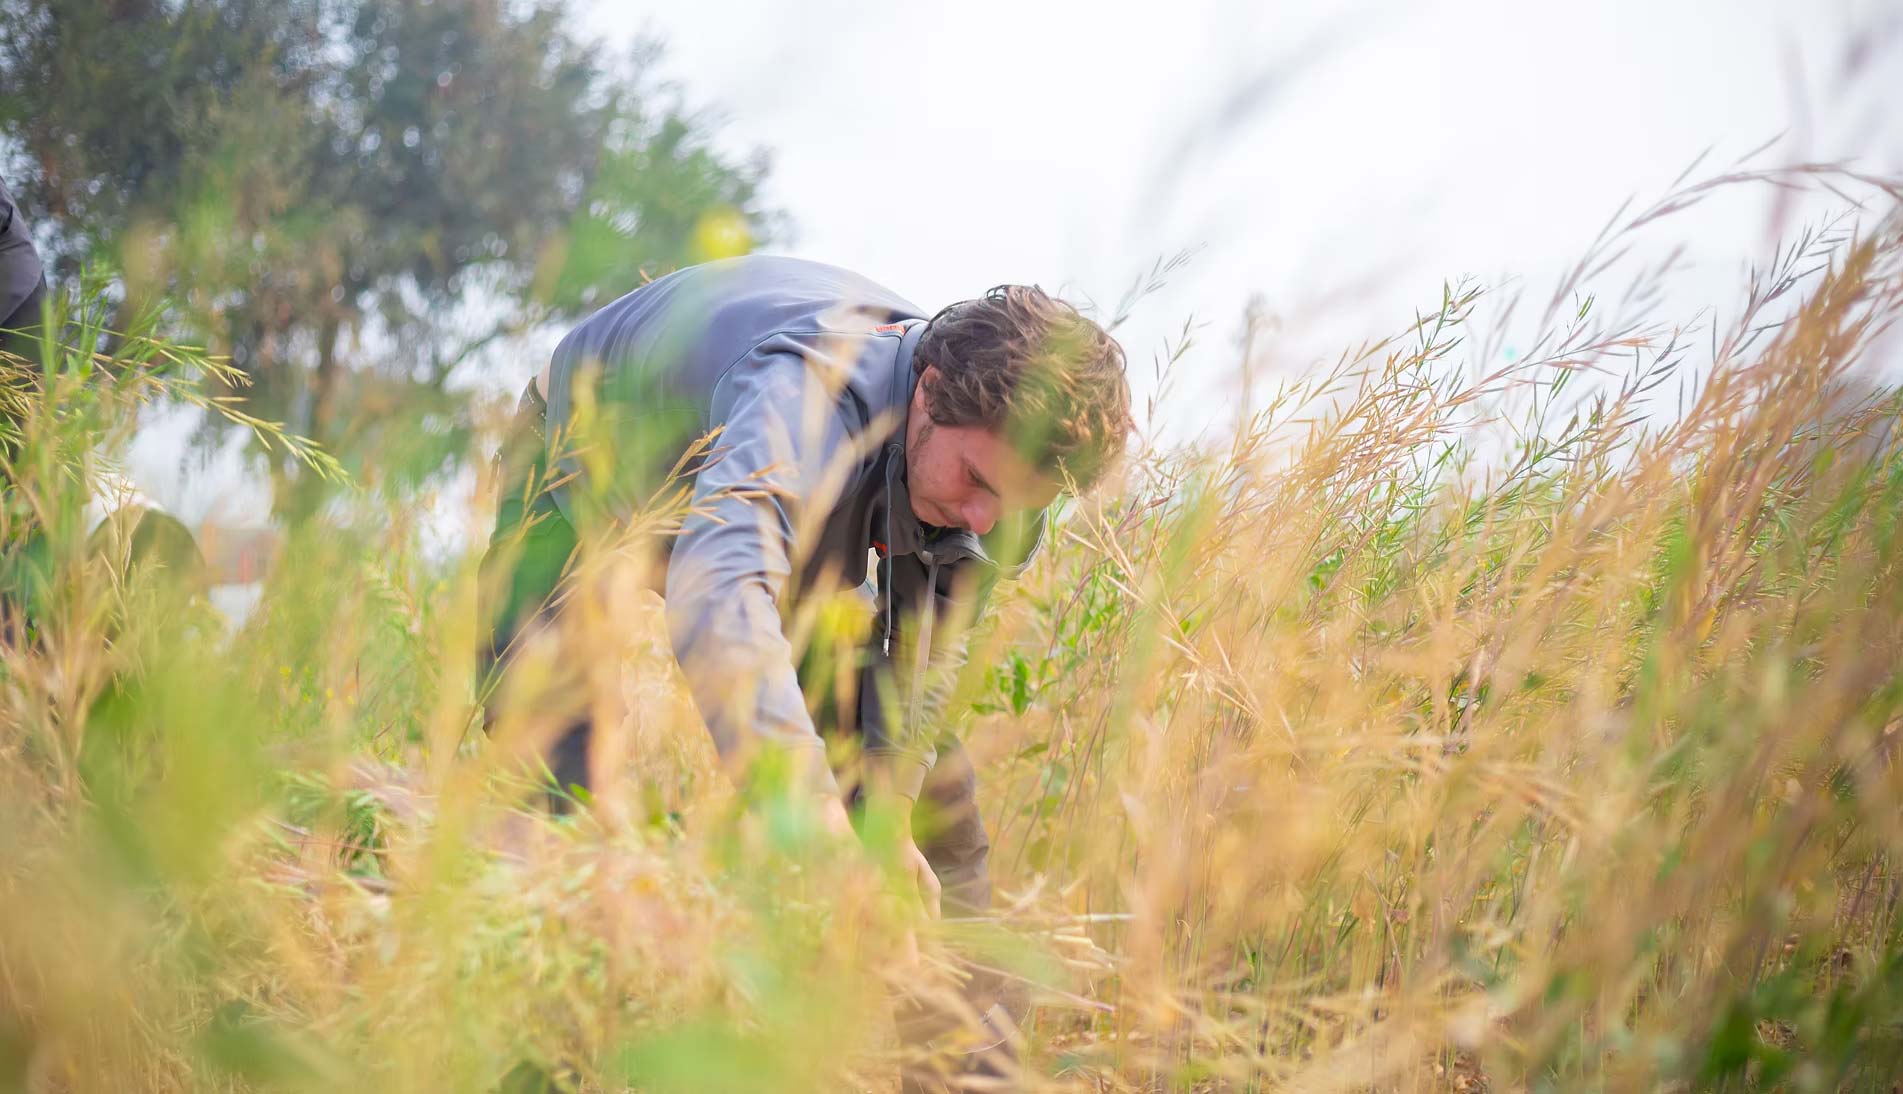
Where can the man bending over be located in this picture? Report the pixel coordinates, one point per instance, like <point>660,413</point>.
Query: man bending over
<point>825,423</point>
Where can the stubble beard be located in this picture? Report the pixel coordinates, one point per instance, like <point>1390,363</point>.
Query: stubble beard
<point>914,452</point>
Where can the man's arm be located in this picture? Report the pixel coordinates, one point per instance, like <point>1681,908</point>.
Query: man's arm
<point>730,568</point>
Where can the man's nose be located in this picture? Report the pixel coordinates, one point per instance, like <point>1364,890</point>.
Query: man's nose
<point>980,516</point>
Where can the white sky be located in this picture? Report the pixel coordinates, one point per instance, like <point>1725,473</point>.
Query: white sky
<point>1338,160</point>
<point>943,148</point>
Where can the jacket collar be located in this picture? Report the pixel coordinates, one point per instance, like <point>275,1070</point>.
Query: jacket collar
<point>903,531</point>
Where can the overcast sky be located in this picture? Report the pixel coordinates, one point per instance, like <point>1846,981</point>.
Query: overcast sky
<point>1337,161</point>
<point>1337,153</point>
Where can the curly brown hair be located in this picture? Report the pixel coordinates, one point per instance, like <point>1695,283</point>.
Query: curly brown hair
<point>1031,367</point>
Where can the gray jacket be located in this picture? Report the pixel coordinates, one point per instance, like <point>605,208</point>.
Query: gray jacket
<point>806,372</point>
<point>20,270</point>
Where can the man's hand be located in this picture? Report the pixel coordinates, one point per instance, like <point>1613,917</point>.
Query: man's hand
<point>889,816</point>
<point>833,818</point>
<point>913,865</point>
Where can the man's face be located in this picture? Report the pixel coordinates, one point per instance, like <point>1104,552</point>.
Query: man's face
<point>966,476</point>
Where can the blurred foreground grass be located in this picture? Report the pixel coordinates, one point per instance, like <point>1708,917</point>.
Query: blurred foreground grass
<point>1458,726</point>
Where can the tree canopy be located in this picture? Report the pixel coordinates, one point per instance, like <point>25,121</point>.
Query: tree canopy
<point>350,196</point>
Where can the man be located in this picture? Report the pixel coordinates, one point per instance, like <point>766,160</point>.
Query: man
<point>823,421</point>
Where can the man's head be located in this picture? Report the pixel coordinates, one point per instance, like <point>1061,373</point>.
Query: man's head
<point>1016,391</point>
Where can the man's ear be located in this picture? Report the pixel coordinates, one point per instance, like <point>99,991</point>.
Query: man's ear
<point>926,388</point>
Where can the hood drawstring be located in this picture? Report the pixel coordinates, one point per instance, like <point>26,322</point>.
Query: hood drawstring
<point>894,454</point>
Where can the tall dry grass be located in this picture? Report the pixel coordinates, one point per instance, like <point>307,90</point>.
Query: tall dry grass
<point>1464,724</point>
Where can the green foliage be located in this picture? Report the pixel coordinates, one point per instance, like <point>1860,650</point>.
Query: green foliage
<point>351,199</point>
<point>1343,757</point>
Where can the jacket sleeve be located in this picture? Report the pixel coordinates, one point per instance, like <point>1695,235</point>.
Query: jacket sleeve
<point>21,274</point>
<point>729,570</point>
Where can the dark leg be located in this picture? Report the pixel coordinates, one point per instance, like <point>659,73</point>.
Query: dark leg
<point>528,555</point>
<point>20,332</point>
<point>20,337</point>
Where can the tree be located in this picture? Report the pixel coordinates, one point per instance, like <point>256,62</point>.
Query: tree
<point>350,196</point>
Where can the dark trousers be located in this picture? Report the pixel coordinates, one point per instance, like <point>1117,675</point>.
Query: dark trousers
<point>20,331</point>
<point>20,337</point>
<point>529,554</point>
